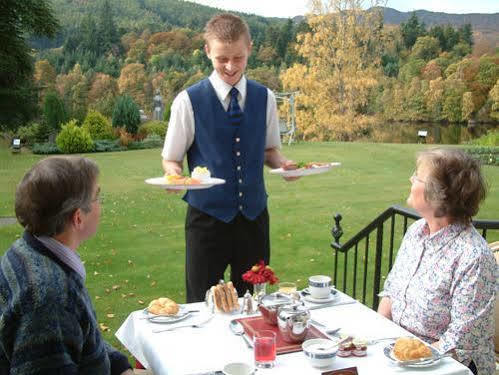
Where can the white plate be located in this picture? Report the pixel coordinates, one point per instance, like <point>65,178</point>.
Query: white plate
<point>332,297</point>
<point>161,182</point>
<point>182,314</point>
<point>304,171</point>
<point>424,362</point>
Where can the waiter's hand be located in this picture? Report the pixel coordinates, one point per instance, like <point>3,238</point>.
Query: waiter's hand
<point>289,165</point>
<point>174,168</point>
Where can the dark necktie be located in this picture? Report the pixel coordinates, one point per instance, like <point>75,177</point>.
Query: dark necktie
<point>235,113</point>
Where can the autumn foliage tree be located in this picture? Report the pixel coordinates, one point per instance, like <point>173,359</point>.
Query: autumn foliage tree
<point>342,64</point>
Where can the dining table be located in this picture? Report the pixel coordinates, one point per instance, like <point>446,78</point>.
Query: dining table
<point>203,343</point>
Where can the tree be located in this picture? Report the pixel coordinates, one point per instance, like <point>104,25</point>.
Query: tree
<point>494,98</point>
<point>126,113</point>
<point>468,106</point>
<point>54,113</point>
<point>412,30</point>
<point>107,29</point>
<point>425,48</point>
<point>133,81</point>
<point>18,97</point>
<point>342,64</point>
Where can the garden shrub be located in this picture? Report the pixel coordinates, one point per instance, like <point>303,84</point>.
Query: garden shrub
<point>107,145</point>
<point>45,148</point>
<point>486,155</point>
<point>126,114</point>
<point>124,137</point>
<point>152,127</point>
<point>73,139</point>
<point>32,133</point>
<point>151,141</point>
<point>98,126</point>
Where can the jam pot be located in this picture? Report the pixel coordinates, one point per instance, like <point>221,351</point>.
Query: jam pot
<point>292,321</point>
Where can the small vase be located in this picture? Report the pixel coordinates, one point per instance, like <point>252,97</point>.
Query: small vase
<point>259,290</point>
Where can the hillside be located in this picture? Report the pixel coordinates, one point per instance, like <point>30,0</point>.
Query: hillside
<point>482,22</point>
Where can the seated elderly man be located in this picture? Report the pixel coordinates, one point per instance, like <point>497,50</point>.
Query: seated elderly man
<point>47,321</point>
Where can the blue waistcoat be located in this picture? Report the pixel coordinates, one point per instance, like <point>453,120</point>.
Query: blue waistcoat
<point>234,153</point>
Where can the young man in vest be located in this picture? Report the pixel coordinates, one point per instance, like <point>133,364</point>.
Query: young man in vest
<point>47,321</point>
<point>230,125</point>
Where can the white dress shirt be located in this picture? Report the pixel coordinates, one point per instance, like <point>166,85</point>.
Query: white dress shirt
<point>180,134</point>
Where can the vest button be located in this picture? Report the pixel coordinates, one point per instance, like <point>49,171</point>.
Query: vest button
<point>238,153</point>
<point>238,139</point>
<point>240,208</point>
<point>240,181</point>
<point>238,167</point>
<point>240,193</point>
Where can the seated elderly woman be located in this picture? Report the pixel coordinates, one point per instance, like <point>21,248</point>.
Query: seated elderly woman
<point>47,321</point>
<point>442,285</point>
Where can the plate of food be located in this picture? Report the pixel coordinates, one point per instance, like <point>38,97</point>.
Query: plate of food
<point>411,352</point>
<point>305,169</point>
<point>199,179</point>
<point>165,310</point>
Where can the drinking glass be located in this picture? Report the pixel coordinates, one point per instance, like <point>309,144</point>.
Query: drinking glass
<point>264,343</point>
<point>287,288</point>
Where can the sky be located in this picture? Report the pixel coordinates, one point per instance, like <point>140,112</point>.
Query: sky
<point>291,8</point>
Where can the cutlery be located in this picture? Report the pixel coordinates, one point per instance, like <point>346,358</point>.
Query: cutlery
<point>154,316</point>
<point>196,325</point>
<point>375,341</point>
<point>238,330</point>
<point>330,332</point>
<point>331,304</point>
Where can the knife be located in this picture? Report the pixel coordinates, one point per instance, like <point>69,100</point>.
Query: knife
<point>331,304</point>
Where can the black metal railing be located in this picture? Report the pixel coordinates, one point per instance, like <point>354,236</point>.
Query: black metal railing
<point>361,269</point>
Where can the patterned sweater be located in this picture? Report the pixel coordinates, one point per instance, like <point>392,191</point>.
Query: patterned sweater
<point>47,321</point>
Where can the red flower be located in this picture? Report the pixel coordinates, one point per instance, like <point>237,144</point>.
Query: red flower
<point>260,273</point>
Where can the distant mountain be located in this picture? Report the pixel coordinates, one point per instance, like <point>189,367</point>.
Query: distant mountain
<point>484,22</point>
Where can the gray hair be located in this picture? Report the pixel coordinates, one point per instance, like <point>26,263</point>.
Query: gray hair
<point>52,190</point>
<point>455,184</point>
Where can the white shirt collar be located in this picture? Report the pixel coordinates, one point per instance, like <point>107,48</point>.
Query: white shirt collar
<point>222,89</point>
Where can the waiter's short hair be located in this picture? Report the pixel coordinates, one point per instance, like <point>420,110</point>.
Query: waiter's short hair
<point>227,28</point>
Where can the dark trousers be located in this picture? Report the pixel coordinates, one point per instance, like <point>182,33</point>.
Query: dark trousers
<point>212,245</point>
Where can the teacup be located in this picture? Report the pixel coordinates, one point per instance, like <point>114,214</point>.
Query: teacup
<point>319,286</point>
<point>238,368</point>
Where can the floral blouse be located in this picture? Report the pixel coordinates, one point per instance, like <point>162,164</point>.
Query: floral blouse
<point>442,287</point>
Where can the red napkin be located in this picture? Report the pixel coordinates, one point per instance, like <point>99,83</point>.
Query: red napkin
<point>257,323</point>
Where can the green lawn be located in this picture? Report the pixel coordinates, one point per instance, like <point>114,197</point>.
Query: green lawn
<point>138,253</point>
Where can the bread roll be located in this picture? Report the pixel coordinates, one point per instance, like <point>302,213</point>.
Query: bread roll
<point>406,349</point>
<point>163,306</point>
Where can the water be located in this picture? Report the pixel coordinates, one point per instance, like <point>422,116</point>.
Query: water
<point>435,133</point>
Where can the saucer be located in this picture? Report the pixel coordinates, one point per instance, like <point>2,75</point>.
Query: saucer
<point>331,297</point>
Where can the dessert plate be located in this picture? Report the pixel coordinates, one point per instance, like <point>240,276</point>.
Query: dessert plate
<point>314,169</point>
<point>183,313</point>
<point>161,182</point>
<point>423,362</point>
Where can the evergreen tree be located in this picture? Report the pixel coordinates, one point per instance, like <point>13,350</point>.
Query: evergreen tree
<point>107,29</point>
<point>412,30</point>
<point>126,113</point>
<point>54,113</point>
<point>18,97</point>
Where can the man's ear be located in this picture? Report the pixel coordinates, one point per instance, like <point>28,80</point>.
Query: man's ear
<point>76,218</point>
<point>207,50</point>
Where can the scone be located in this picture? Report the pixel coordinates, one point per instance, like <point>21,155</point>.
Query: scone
<point>407,349</point>
<point>163,306</point>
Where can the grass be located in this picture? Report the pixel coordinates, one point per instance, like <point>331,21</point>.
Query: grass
<point>138,252</point>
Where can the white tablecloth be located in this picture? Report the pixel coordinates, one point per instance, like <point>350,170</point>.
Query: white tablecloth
<point>198,350</point>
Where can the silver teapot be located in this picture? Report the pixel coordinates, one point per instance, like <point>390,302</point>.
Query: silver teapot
<point>270,304</point>
<point>292,321</point>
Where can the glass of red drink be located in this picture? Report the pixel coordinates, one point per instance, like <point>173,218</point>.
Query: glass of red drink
<point>265,348</point>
